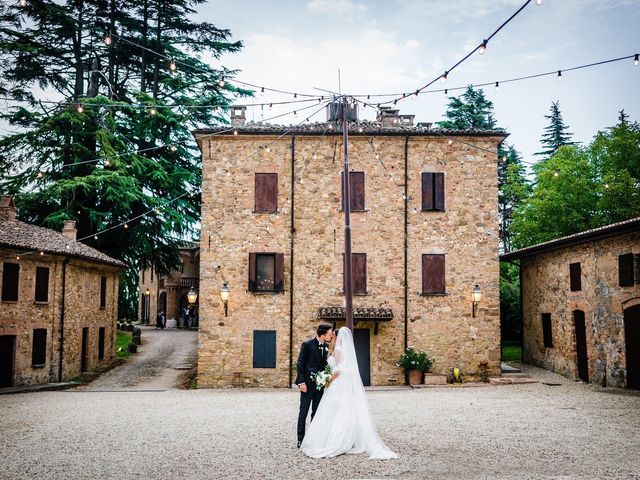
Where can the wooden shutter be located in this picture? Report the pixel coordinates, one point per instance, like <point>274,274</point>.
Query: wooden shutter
<point>10,278</point>
<point>438,191</point>
<point>359,271</point>
<point>625,270</point>
<point>637,268</point>
<point>575,276</point>
<point>103,292</point>
<point>279,273</point>
<point>101,343</point>
<point>252,272</point>
<point>266,192</point>
<point>42,284</point>
<point>433,274</point>
<point>39,348</point>
<point>264,349</point>
<point>356,190</point>
<point>546,330</point>
<point>427,191</point>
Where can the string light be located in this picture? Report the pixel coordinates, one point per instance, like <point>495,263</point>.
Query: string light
<point>606,185</point>
<point>107,39</point>
<point>79,108</point>
<point>17,257</point>
<point>636,59</point>
<point>295,95</point>
<point>40,175</point>
<point>221,83</point>
<point>450,141</point>
<point>483,47</point>
<point>497,86</point>
<point>262,91</point>
<point>95,237</point>
<point>556,174</point>
<point>106,163</point>
<point>443,78</point>
<point>235,132</point>
<point>22,3</point>
<point>153,111</point>
<point>446,91</point>
<point>126,225</point>
<point>559,75</point>
<point>172,65</point>
<point>41,253</point>
<point>172,148</point>
<point>538,2</point>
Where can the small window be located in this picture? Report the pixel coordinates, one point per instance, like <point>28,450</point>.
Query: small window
<point>432,191</point>
<point>575,277</point>
<point>39,348</point>
<point>101,343</point>
<point>546,330</point>
<point>103,292</point>
<point>625,270</point>
<point>151,274</point>
<point>143,270</point>
<point>264,349</point>
<point>433,274</point>
<point>266,193</point>
<point>358,273</point>
<point>266,272</point>
<point>10,276</point>
<point>356,191</point>
<point>42,284</point>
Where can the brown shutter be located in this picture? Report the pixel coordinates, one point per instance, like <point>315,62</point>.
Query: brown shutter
<point>101,331</point>
<point>433,273</point>
<point>427,191</point>
<point>439,191</point>
<point>279,274</point>
<point>42,284</point>
<point>625,270</point>
<point>356,180</point>
<point>359,271</point>
<point>252,272</point>
<point>39,347</point>
<point>10,279</point>
<point>637,268</point>
<point>266,192</point>
<point>575,277</point>
<point>103,292</point>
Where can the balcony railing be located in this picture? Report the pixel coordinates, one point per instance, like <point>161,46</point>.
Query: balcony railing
<point>189,282</point>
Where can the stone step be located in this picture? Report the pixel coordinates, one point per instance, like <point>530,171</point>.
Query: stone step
<point>506,368</point>
<point>511,380</point>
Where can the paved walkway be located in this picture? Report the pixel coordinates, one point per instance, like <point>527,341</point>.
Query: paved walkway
<point>160,364</point>
<point>555,428</point>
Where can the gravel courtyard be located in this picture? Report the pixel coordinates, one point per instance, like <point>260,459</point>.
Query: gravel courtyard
<point>517,431</point>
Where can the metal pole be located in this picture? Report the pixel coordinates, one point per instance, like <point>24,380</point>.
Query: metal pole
<point>348,285</point>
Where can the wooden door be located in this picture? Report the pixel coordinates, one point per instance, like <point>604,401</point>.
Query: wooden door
<point>581,345</point>
<point>632,344</point>
<point>84,355</point>
<point>7,357</point>
<point>362,342</point>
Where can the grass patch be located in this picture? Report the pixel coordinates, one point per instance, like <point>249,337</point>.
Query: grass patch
<point>511,351</point>
<point>123,339</point>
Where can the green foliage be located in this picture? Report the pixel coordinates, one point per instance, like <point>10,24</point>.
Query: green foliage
<point>511,351</point>
<point>415,360</point>
<point>471,110</point>
<point>123,339</point>
<point>555,134</point>
<point>510,323</point>
<point>513,188</point>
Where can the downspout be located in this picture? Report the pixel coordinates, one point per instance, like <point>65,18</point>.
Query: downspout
<point>521,314</point>
<point>293,230</point>
<point>62,308</point>
<point>406,242</point>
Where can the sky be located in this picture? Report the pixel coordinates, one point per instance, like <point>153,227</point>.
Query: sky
<point>400,45</point>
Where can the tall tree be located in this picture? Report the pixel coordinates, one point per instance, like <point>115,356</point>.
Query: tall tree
<point>555,134</point>
<point>129,120</point>
<point>471,110</point>
<point>513,188</point>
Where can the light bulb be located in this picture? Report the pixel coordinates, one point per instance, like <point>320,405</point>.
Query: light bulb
<point>483,47</point>
<point>559,75</point>
<point>107,39</point>
<point>235,132</point>
<point>79,108</point>
<point>449,141</point>
<point>41,253</point>
<point>538,2</point>
<point>556,174</point>
<point>295,95</point>
<point>18,257</point>
<point>106,163</point>
<point>22,3</point>
<point>262,91</point>
<point>636,59</point>
<point>443,78</point>
<point>172,65</point>
<point>270,106</point>
<point>446,91</point>
<point>267,149</point>
<point>221,83</point>
<point>368,97</point>
<point>153,111</point>
<point>360,129</point>
<point>606,185</point>
<point>497,85</point>
<point>95,237</point>
<point>126,225</point>
<point>172,148</point>
<point>40,175</point>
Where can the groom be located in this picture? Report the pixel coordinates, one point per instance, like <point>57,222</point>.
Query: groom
<point>312,359</point>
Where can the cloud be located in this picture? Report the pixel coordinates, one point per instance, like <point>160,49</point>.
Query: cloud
<point>343,7</point>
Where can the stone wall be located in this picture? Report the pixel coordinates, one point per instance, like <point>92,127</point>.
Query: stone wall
<point>546,289</point>
<point>467,233</point>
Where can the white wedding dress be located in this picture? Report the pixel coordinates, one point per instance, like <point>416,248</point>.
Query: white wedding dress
<point>343,422</point>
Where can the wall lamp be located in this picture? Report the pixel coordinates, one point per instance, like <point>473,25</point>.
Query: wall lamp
<point>224,295</point>
<point>476,297</point>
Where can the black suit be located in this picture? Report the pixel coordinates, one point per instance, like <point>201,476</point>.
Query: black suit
<point>312,359</point>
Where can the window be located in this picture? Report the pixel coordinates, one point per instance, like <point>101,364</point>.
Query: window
<point>42,284</point>
<point>356,191</point>
<point>625,270</point>
<point>433,274</point>
<point>432,191</point>
<point>103,292</point>
<point>266,272</point>
<point>546,330</point>
<point>10,274</point>
<point>266,193</point>
<point>39,348</point>
<point>151,274</point>
<point>264,349</point>
<point>358,273</point>
<point>101,343</point>
<point>575,277</point>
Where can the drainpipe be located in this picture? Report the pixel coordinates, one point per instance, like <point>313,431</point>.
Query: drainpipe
<point>62,308</point>
<point>406,241</point>
<point>521,314</point>
<point>293,230</point>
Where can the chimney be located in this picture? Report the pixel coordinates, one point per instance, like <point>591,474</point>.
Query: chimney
<point>69,229</point>
<point>388,116</point>
<point>334,111</point>
<point>238,116</point>
<point>7,208</point>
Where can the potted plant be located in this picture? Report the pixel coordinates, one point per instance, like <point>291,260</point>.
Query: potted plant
<point>415,363</point>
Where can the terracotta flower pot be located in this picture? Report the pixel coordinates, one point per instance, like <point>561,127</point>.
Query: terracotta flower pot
<point>415,377</point>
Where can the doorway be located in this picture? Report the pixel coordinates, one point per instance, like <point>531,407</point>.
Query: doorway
<point>362,342</point>
<point>84,355</point>
<point>632,345</point>
<point>581,345</point>
<point>7,357</point>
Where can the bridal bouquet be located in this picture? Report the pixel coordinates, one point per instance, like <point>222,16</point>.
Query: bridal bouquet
<point>321,379</point>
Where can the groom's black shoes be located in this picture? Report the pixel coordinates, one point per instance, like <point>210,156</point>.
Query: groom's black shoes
<point>299,443</point>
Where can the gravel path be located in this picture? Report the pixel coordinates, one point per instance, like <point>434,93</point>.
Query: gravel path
<point>570,431</point>
<point>160,363</point>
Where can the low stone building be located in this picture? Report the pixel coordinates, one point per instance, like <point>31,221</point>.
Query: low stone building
<point>58,303</point>
<point>425,232</point>
<point>581,304</point>
<point>168,293</point>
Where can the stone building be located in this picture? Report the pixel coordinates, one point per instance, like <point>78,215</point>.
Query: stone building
<point>168,293</point>
<point>581,304</point>
<point>58,303</point>
<point>425,232</point>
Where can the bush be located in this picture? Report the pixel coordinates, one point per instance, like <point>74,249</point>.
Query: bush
<point>415,360</point>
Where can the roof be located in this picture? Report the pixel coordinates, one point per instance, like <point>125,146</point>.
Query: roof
<point>20,235</point>
<point>607,231</point>
<point>359,313</point>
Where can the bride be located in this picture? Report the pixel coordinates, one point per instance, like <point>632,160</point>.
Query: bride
<point>343,422</point>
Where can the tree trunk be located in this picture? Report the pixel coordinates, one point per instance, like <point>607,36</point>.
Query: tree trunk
<point>156,70</point>
<point>145,43</point>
